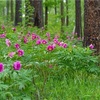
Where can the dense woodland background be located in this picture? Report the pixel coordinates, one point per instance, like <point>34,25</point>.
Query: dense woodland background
<point>49,49</point>
<point>77,16</point>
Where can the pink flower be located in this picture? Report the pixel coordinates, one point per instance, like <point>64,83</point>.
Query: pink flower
<point>17,46</point>
<point>8,42</point>
<point>28,34</point>
<point>17,65</point>
<point>1,67</point>
<point>11,54</point>
<point>55,40</point>
<point>44,41</point>
<point>91,46</point>
<point>61,44</point>
<point>14,29</point>
<point>54,45</point>
<point>38,42</point>
<point>37,36</point>
<point>25,40</point>
<point>20,52</point>
<point>64,45</point>
<point>50,47</point>
<point>48,34</point>
<point>33,36</point>
<point>56,36</point>
<point>2,35</point>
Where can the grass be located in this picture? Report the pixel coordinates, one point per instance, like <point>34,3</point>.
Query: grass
<point>77,88</point>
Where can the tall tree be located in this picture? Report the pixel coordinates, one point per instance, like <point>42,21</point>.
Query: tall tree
<point>62,15</point>
<point>18,13</point>
<point>46,14</point>
<point>8,9</point>
<point>38,13</point>
<point>78,24</point>
<point>12,12</point>
<point>55,7</point>
<point>92,23</point>
<point>67,12</point>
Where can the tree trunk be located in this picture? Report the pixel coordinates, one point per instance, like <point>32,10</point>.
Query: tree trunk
<point>12,12</point>
<point>55,7</point>
<point>18,13</point>
<point>62,16</point>
<point>46,16</point>
<point>78,25</point>
<point>92,24</point>
<point>7,10</point>
<point>67,13</point>
<point>38,13</point>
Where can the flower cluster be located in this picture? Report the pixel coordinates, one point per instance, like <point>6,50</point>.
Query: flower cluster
<point>16,66</point>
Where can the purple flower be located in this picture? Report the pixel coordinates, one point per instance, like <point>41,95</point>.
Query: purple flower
<point>11,54</point>
<point>1,67</point>
<point>25,40</point>
<point>14,29</point>
<point>17,46</point>
<point>20,52</point>
<point>34,36</point>
<point>48,34</point>
<point>56,36</point>
<point>91,46</point>
<point>54,45</point>
<point>44,41</point>
<point>37,36</point>
<point>38,42</point>
<point>8,42</point>
<point>28,34</point>
<point>61,44</point>
<point>17,65</point>
<point>64,45</point>
<point>50,47</point>
<point>55,40</point>
<point>2,35</point>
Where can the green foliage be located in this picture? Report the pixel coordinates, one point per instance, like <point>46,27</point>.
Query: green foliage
<point>77,58</point>
<point>61,74</point>
<point>46,75</point>
<point>29,10</point>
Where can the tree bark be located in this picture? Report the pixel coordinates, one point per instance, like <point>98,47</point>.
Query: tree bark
<point>38,13</point>
<point>67,13</point>
<point>12,12</point>
<point>18,13</point>
<point>62,16</point>
<point>92,24</point>
<point>46,16</point>
<point>7,10</point>
<point>78,24</point>
<point>55,7</point>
